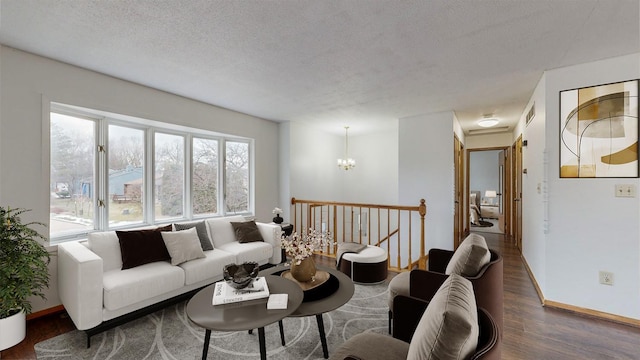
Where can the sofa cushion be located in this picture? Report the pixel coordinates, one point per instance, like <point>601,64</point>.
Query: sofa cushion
<point>472,254</point>
<point>253,251</point>
<point>182,245</point>
<point>201,228</point>
<point>208,267</point>
<point>246,231</point>
<point>448,328</point>
<point>221,230</point>
<point>107,246</point>
<point>126,287</point>
<point>139,247</point>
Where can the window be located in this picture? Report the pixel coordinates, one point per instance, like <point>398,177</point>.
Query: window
<point>169,178</point>
<point>108,171</point>
<point>237,177</point>
<point>126,176</point>
<point>72,179</point>
<point>205,176</point>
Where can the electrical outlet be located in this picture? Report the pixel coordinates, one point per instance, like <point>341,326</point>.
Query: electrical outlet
<point>625,190</point>
<point>606,278</point>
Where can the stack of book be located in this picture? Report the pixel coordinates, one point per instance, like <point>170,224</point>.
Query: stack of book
<point>223,293</point>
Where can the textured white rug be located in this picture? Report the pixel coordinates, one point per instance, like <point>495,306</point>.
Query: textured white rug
<point>168,334</point>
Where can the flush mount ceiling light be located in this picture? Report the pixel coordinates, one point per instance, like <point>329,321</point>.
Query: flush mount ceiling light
<point>488,122</point>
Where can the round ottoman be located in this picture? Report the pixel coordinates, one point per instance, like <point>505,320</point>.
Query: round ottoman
<point>369,266</point>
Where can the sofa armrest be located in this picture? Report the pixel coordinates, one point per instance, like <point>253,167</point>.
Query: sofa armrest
<point>271,234</point>
<point>80,284</point>
<point>407,312</point>
<point>439,259</point>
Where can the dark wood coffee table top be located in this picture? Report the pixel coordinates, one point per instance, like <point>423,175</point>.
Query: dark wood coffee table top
<point>246,315</point>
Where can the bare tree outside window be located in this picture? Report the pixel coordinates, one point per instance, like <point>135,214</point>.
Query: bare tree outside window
<point>237,177</point>
<point>205,176</point>
<point>169,177</point>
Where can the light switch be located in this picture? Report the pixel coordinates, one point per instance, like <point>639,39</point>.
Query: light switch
<point>625,190</point>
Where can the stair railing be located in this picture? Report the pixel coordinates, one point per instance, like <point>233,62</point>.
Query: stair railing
<point>389,226</point>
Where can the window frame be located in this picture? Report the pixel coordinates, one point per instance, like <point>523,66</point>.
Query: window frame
<point>102,121</point>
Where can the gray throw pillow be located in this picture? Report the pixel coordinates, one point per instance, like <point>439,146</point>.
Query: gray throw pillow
<point>472,254</point>
<point>246,231</point>
<point>183,245</point>
<point>201,228</point>
<point>448,328</point>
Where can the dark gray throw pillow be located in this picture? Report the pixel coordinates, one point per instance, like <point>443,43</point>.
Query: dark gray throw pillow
<point>246,231</point>
<point>201,229</point>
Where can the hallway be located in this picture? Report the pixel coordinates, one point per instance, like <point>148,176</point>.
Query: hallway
<point>532,331</point>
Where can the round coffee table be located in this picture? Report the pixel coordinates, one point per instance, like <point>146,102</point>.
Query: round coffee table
<point>318,307</point>
<point>240,316</point>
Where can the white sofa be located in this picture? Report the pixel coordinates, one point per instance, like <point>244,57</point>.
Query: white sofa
<point>94,289</point>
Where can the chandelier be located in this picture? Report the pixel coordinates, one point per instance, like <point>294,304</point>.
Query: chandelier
<point>346,163</point>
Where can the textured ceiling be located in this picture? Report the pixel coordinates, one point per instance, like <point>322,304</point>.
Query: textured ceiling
<point>332,63</point>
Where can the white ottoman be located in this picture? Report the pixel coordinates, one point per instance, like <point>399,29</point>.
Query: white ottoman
<point>369,266</point>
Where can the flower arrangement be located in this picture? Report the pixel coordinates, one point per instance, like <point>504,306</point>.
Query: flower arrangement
<point>277,211</point>
<point>300,247</point>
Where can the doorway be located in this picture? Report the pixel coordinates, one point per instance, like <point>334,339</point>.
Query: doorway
<point>488,187</point>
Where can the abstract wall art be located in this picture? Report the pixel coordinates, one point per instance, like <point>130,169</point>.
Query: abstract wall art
<point>599,131</point>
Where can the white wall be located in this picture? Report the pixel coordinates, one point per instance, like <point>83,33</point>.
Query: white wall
<point>28,79</point>
<point>534,201</point>
<point>588,228</point>
<point>426,171</point>
<point>314,174</point>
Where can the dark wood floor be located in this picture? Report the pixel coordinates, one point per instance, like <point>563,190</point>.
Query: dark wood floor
<point>530,330</point>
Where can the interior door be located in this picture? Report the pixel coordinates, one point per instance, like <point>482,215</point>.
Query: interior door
<point>501,190</point>
<point>458,221</point>
<point>518,193</point>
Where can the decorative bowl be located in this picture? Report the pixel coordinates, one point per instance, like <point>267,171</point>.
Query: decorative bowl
<point>240,276</point>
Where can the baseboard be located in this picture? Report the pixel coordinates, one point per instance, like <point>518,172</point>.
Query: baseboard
<point>576,309</point>
<point>533,280</point>
<point>45,312</point>
<point>593,313</point>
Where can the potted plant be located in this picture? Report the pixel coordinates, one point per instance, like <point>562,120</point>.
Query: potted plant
<point>23,273</point>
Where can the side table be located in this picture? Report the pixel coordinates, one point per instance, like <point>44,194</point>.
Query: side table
<point>287,230</point>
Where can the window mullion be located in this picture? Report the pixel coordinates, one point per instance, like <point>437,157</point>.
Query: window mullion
<point>149,176</point>
<point>222,187</point>
<point>101,196</point>
<point>188,182</point>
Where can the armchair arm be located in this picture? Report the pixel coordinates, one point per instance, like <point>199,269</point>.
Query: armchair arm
<point>423,284</point>
<point>270,233</point>
<point>407,312</point>
<point>80,284</point>
<point>439,259</point>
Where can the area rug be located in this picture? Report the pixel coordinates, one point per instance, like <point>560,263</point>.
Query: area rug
<point>168,334</point>
<point>483,223</point>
